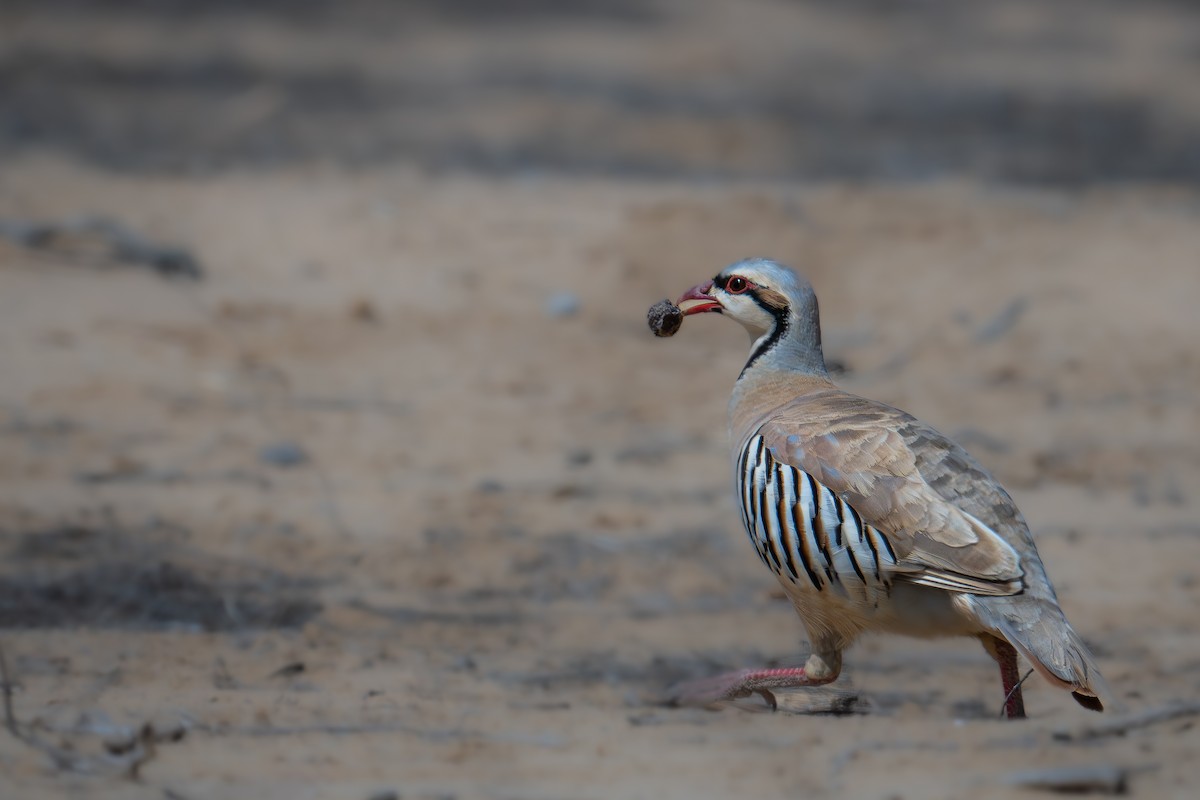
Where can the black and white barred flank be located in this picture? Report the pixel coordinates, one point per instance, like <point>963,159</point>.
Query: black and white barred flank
<point>804,532</point>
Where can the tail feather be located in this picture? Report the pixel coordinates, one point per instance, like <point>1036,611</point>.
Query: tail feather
<point>1088,701</point>
<point>1042,634</point>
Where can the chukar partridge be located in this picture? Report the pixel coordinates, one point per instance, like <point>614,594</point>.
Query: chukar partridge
<point>871,519</point>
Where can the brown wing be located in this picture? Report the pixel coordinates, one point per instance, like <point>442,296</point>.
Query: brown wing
<point>938,507</point>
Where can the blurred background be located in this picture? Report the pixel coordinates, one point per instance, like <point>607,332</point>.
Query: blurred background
<point>1069,93</point>
<point>336,459</point>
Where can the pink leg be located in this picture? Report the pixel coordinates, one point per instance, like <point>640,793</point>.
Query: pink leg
<point>743,683</point>
<point>1010,675</point>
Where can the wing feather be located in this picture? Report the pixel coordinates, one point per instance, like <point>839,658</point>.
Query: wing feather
<point>914,485</point>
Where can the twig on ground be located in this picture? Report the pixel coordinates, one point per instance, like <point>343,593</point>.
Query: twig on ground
<point>1086,779</point>
<point>61,758</point>
<point>1003,322</point>
<point>1011,692</point>
<point>119,243</point>
<point>1119,725</point>
<point>124,755</point>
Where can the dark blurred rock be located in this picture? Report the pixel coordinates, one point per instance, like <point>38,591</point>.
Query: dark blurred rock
<point>1087,779</point>
<point>283,454</point>
<point>158,595</point>
<point>111,239</point>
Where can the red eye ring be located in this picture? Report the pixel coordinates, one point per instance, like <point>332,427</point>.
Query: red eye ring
<point>737,285</point>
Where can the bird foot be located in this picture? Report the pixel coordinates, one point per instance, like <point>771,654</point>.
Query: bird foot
<point>707,691</point>
<point>739,684</point>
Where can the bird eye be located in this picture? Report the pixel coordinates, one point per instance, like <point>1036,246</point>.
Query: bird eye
<point>737,285</point>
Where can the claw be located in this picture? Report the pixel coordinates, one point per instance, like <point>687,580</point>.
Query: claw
<point>769,696</point>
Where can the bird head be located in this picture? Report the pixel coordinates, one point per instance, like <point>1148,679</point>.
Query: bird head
<point>775,305</point>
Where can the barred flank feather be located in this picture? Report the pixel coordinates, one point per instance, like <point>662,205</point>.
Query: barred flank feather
<point>806,534</point>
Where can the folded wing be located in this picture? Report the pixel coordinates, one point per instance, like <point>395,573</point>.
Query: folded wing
<point>938,508</point>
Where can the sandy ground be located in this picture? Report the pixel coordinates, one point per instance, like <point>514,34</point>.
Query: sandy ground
<point>371,508</point>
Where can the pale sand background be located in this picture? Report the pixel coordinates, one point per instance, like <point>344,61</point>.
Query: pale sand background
<point>515,528</point>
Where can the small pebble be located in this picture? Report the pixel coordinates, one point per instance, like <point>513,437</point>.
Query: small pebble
<point>578,458</point>
<point>166,726</point>
<point>664,318</point>
<point>283,454</point>
<point>562,304</point>
<point>121,742</point>
<point>361,310</point>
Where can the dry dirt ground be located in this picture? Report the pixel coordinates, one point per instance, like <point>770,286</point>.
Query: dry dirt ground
<point>401,496</point>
